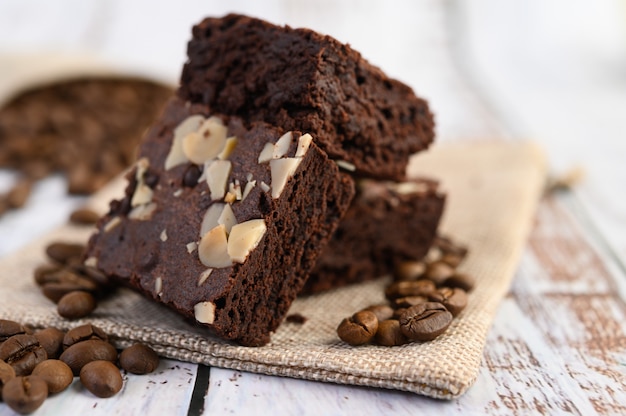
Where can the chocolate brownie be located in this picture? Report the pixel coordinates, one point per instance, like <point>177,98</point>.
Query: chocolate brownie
<point>221,220</point>
<point>386,223</point>
<point>301,80</point>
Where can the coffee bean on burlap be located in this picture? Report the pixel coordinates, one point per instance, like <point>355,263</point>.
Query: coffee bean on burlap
<point>358,329</point>
<point>22,352</point>
<point>389,333</point>
<point>454,299</point>
<point>401,289</point>
<point>76,304</point>
<point>425,322</point>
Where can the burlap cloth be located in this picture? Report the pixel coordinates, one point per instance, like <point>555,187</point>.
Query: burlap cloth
<point>493,191</point>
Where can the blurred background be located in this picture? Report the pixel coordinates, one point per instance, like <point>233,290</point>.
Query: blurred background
<point>553,71</point>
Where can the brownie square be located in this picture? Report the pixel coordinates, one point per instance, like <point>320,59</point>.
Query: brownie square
<point>387,223</point>
<point>301,80</point>
<point>222,220</point>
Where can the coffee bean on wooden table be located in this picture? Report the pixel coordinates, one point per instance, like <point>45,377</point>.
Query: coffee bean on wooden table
<point>102,378</point>
<point>139,359</point>
<point>57,375</point>
<point>22,352</point>
<point>76,304</point>
<point>425,322</point>
<point>359,329</point>
<point>83,333</point>
<point>81,353</point>
<point>6,373</point>
<point>51,339</point>
<point>25,394</point>
<point>389,333</point>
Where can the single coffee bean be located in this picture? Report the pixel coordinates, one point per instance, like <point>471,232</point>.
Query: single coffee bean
<point>447,246</point>
<point>81,353</point>
<point>191,176</point>
<point>438,272</point>
<point>102,378</point>
<point>397,313</point>
<point>18,195</point>
<point>139,359</point>
<point>22,352</point>
<point>51,339</point>
<point>453,260</point>
<point>389,333</point>
<point>57,375</point>
<point>409,270</point>
<point>408,301</point>
<point>454,299</point>
<point>43,272</point>
<point>64,253</point>
<point>83,333</point>
<point>25,394</point>
<point>425,322</point>
<point>9,328</point>
<point>76,305</point>
<point>359,328</point>
<point>56,291</point>
<point>401,289</point>
<point>84,216</point>
<point>382,312</point>
<point>461,280</point>
<point>6,373</point>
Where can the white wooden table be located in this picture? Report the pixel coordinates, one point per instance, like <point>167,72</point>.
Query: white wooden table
<point>554,72</point>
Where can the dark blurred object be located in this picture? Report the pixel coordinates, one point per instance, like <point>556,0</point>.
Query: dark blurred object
<point>86,128</point>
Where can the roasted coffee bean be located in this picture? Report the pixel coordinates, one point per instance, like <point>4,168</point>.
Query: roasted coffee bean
<point>425,322</point>
<point>94,275</point>
<point>25,394</point>
<point>397,313</point>
<point>408,301</point>
<point>139,359</point>
<point>18,195</point>
<point>84,216</point>
<point>461,280</point>
<point>9,328</point>
<point>55,291</point>
<point>81,353</point>
<point>409,270</point>
<point>68,275</point>
<point>382,312</point>
<point>401,289</point>
<point>454,299</point>
<point>447,246</point>
<point>438,272</point>
<point>22,352</point>
<point>83,333</point>
<point>454,260</point>
<point>57,375</point>
<point>6,373</point>
<point>76,305</point>
<point>43,273</point>
<point>64,253</point>
<point>51,339</point>
<point>191,175</point>
<point>102,378</point>
<point>359,328</point>
<point>389,333</point>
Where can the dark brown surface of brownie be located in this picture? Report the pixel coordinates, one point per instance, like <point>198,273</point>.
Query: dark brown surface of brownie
<point>381,228</point>
<point>301,80</point>
<point>250,298</point>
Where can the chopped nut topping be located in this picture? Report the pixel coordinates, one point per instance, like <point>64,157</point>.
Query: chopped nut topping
<point>191,247</point>
<point>266,154</point>
<point>217,177</point>
<point>91,262</point>
<point>204,275</point>
<point>158,286</point>
<point>163,235</point>
<point>176,156</point>
<point>265,187</point>
<point>114,222</point>
<point>213,248</point>
<point>211,217</point>
<point>244,238</point>
<point>142,212</point>
<point>303,144</point>
<point>281,171</point>
<point>230,145</point>
<point>249,186</point>
<point>345,165</point>
<point>227,218</point>
<point>204,312</point>
<point>282,145</point>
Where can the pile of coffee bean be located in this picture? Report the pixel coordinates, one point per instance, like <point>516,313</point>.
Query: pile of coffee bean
<point>422,301</point>
<point>35,364</point>
<point>86,128</point>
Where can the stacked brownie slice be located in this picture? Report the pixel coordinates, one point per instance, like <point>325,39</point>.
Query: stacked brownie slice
<point>241,183</point>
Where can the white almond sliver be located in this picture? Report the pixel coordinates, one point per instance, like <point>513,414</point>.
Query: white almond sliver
<point>176,156</point>
<point>227,218</point>
<point>210,219</point>
<point>204,312</point>
<point>303,144</point>
<point>244,238</point>
<point>282,170</point>
<point>229,146</point>
<point>217,178</point>
<point>213,248</point>
<point>204,275</point>
<point>282,145</point>
<point>266,154</point>
<point>249,186</point>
